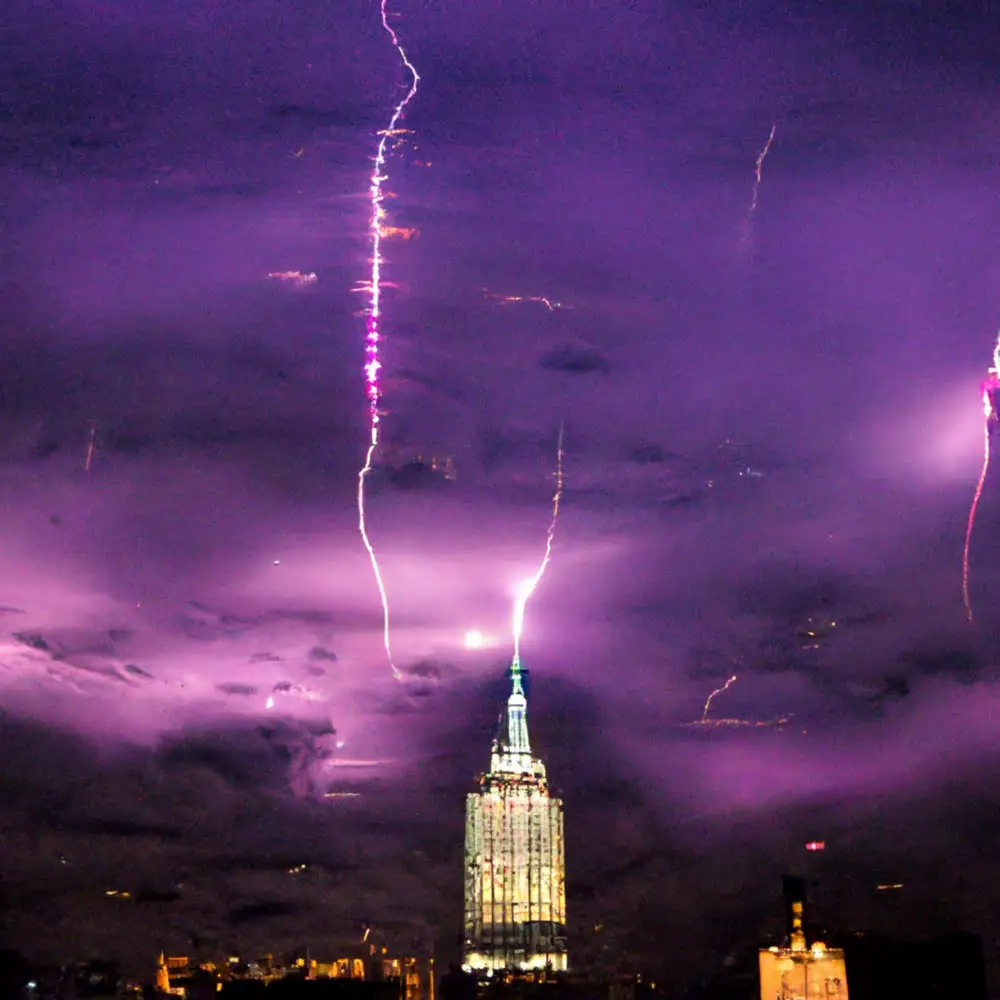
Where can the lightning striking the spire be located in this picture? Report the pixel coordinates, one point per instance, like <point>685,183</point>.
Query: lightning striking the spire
<point>990,385</point>
<point>719,690</point>
<point>527,587</point>
<point>374,314</point>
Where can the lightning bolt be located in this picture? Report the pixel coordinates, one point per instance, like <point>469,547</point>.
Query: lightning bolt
<point>758,174</point>
<point>527,587</point>
<point>551,304</point>
<point>374,315</point>
<point>989,418</point>
<point>758,170</point>
<point>719,690</point>
<point>90,448</point>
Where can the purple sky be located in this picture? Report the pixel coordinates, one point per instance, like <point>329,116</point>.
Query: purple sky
<point>772,423</point>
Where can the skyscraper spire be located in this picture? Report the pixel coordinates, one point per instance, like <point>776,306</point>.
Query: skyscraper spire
<point>515,895</point>
<point>517,741</point>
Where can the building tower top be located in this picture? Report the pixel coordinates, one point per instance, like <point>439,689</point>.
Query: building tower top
<point>512,747</point>
<point>515,892</point>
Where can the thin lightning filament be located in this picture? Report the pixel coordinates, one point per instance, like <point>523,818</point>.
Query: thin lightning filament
<point>966,598</point>
<point>719,690</point>
<point>374,314</point>
<point>527,588</point>
<point>90,449</point>
<point>758,172</point>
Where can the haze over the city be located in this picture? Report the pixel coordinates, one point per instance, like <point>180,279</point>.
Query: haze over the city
<point>772,433</point>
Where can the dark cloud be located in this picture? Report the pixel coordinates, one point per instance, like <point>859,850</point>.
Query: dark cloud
<point>963,665</point>
<point>235,688</point>
<point>576,359</point>
<point>263,754</point>
<point>255,912</point>
<point>427,669</point>
<point>325,655</point>
<point>128,828</point>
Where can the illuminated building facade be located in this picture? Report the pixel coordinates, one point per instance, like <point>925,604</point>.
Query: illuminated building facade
<point>801,970</point>
<point>515,892</point>
<point>381,976</point>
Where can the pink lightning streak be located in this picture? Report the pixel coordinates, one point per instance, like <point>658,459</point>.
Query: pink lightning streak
<point>759,169</point>
<point>747,236</point>
<point>90,449</point>
<point>989,414</point>
<point>719,690</point>
<point>527,587</point>
<point>374,315</point>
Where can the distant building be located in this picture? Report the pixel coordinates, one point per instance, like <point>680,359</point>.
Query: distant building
<point>801,969</point>
<point>515,893</point>
<point>179,976</point>
<point>415,976</point>
<point>366,975</point>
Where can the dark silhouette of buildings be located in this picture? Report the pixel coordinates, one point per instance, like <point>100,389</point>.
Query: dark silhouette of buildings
<point>949,967</point>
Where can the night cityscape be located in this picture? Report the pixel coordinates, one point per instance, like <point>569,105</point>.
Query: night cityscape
<point>498,499</point>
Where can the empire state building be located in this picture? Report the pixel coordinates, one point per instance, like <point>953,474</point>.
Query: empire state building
<point>515,891</point>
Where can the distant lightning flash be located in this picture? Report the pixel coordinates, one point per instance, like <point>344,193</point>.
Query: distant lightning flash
<point>719,690</point>
<point>758,174</point>
<point>527,587</point>
<point>989,386</point>
<point>966,599</point>
<point>374,314</point>
<point>777,723</point>
<point>90,449</point>
<point>551,304</point>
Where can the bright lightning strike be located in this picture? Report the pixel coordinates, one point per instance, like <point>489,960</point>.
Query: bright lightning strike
<point>989,386</point>
<point>374,314</point>
<point>719,690</point>
<point>527,587</point>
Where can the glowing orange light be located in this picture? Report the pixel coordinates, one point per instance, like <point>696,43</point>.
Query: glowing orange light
<point>402,232</point>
